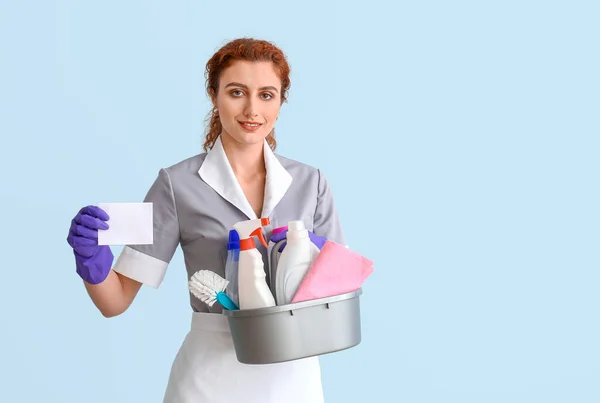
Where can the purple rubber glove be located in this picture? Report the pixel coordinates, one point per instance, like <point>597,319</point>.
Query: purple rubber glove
<point>93,261</point>
<point>318,240</point>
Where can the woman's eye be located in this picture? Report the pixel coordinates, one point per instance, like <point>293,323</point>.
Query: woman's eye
<point>236,93</point>
<point>267,96</point>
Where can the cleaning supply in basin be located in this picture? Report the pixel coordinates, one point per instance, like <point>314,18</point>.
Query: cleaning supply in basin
<point>232,265</point>
<point>245,228</point>
<point>208,287</point>
<point>273,255</point>
<point>253,289</point>
<point>318,240</point>
<point>336,270</point>
<point>277,235</point>
<point>294,262</point>
<point>274,260</point>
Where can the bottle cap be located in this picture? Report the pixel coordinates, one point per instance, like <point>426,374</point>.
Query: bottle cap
<point>279,229</point>
<point>297,225</point>
<point>246,244</point>
<point>234,240</point>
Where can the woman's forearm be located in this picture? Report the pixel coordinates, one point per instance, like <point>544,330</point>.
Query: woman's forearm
<point>114,295</point>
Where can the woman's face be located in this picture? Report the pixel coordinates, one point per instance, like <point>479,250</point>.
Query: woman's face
<point>248,101</point>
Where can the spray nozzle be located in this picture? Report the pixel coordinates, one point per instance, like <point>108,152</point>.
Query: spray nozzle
<point>247,229</point>
<point>259,234</point>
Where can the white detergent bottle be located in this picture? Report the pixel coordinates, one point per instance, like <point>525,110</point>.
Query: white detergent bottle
<point>295,260</point>
<point>253,289</point>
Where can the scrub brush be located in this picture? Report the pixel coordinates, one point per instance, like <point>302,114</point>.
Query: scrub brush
<point>208,287</point>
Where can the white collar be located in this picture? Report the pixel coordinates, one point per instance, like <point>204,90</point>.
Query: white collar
<point>218,174</point>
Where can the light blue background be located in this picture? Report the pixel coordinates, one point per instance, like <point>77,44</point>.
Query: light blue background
<point>461,140</point>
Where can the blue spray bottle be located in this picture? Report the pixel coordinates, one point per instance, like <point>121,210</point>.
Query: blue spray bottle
<point>232,265</point>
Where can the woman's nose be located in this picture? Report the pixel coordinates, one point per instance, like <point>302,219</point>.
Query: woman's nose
<point>250,110</point>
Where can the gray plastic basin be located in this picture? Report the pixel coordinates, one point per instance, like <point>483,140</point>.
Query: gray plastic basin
<point>294,331</point>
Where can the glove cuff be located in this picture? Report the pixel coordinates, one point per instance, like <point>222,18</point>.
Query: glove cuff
<point>95,269</point>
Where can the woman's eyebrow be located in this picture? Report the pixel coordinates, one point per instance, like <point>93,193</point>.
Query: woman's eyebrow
<point>234,84</point>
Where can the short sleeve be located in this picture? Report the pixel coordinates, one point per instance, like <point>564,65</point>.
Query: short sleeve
<point>148,263</point>
<point>326,219</point>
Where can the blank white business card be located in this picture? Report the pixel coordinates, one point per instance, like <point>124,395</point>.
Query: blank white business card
<point>129,224</point>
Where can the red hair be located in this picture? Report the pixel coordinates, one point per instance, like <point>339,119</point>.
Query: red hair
<point>246,49</point>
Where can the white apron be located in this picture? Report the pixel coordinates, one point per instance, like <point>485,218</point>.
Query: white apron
<point>206,370</point>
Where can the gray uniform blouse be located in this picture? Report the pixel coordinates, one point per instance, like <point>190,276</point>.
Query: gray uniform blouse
<point>197,201</point>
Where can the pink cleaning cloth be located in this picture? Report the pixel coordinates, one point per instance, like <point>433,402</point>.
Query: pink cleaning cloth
<point>336,270</point>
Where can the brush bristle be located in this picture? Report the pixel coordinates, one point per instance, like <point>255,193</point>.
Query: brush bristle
<point>202,293</point>
<point>205,284</point>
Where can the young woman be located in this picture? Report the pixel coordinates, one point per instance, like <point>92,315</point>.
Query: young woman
<point>195,204</point>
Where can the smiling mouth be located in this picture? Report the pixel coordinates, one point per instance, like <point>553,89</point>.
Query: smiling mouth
<point>250,125</point>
